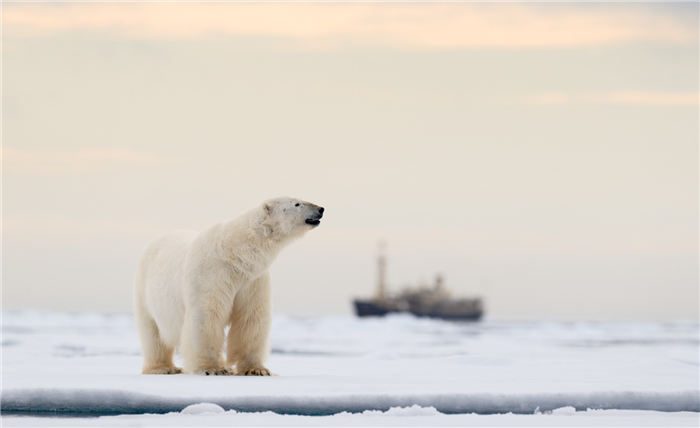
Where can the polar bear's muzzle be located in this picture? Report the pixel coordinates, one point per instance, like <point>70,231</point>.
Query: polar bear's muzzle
<point>315,219</point>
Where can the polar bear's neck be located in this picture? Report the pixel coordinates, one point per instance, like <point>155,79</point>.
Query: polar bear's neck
<point>248,245</point>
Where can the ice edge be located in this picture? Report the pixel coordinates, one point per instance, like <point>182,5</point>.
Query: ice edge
<point>88,402</point>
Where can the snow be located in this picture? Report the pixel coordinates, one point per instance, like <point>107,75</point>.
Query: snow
<point>351,370</point>
<point>202,409</point>
<point>568,410</point>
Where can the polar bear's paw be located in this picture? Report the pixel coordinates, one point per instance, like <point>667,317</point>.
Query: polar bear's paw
<point>163,370</point>
<point>254,371</point>
<point>215,371</point>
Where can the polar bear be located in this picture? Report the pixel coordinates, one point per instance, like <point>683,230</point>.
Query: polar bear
<point>190,286</point>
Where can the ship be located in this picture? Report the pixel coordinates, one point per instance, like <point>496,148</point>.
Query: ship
<point>433,302</point>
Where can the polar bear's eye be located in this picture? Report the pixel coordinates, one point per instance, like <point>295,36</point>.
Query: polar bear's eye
<point>296,205</point>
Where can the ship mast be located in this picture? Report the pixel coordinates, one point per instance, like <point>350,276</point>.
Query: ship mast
<point>381,273</point>
<point>438,283</point>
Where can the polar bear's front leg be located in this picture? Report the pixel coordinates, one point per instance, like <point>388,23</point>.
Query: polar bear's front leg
<point>203,340</point>
<point>249,334</point>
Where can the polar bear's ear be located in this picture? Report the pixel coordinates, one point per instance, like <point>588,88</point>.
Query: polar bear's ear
<point>268,208</point>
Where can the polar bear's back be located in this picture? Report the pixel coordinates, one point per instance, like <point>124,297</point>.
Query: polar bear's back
<point>158,285</point>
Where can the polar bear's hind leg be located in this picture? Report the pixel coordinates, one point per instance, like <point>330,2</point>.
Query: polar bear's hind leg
<point>157,355</point>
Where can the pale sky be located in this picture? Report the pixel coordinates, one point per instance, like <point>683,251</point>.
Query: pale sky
<point>544,156</point>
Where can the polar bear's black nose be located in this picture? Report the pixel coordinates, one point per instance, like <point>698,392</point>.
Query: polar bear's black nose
<point>321,210</point>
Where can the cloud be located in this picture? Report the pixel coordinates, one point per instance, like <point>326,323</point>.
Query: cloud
<point>639,98</point>
<point>334,25</point>
<point>77,161</point>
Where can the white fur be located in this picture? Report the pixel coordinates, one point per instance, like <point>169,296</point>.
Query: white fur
<point>190,286</point>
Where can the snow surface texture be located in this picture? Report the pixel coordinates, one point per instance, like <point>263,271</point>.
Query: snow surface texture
<point>90,364</point>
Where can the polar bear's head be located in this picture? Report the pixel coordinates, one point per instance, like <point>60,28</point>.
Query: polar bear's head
<point>290,217</point>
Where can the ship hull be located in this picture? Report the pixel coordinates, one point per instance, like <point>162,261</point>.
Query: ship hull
<point>367,308</point>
